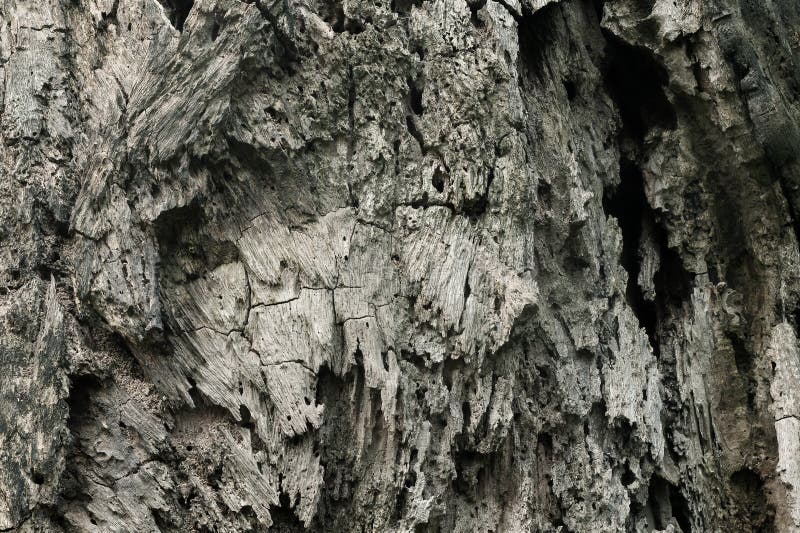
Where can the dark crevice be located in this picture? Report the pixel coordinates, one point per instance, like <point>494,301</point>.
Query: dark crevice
<point>284,42</point>
<point>163,520</point>
<point>599,5</point>
<point>415,97</point>
<point>668,505</point>
<point>628,205</point>
<point>475,207</point>
<point>194,392</point>
<point>377,440</point>
<point>672,283</point>
<point>177,11</point>
<point>744,367</point>
<point>470,468</point>
<point>474,8</point>
<point>571,89</point>
<point>403,7</point>
<point>400,500</point>
<point>546,497</point>
<point>792,196</point>
<point>342,24</point>
<point>680,509</point>
<point>81,390</point>
<point>333,14</point>
<point>414,132</point>
<point>109,18</point>
<point>462,439</point>
<point>186,251</point>
<point>544,194</point>
<point>283,518</point>
<point>628,477</point>
<point>635,81</point>
<point>753,510</point>
<point>246,417</point>
<point>439,179</point>
<point>535,34</point>
<point>171,224</point>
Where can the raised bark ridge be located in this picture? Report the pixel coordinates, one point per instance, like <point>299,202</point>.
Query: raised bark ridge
<point>400,265</point>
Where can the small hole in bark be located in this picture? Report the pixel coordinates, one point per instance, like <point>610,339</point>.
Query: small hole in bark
<point>572,91</point>
<point>80,396</point>
<point>214,31</point>
<point>438,179</point>
<point>628,477</point>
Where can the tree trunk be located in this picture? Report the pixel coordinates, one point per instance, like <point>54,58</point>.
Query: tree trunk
<point>396,266</point>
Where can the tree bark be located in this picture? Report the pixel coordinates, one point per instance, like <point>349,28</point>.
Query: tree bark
<point>400,265</point>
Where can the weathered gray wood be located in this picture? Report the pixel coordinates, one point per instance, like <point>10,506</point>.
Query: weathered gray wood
<point>371,265</point>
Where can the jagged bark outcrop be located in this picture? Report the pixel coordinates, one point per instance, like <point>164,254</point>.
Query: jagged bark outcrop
<point>407,265</point>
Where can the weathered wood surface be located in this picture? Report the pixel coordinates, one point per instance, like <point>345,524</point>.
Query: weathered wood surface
<point>399,265</point>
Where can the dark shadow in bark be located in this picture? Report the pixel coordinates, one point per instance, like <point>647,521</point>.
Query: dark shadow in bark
<point>636,81</point>
<point>628,205</point>
<point>177,11</point>
<point>536,31</point>
<point>668,505</point>
<point>754,511</point>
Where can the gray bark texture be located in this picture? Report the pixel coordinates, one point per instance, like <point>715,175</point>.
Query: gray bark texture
<point>400,265</point>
